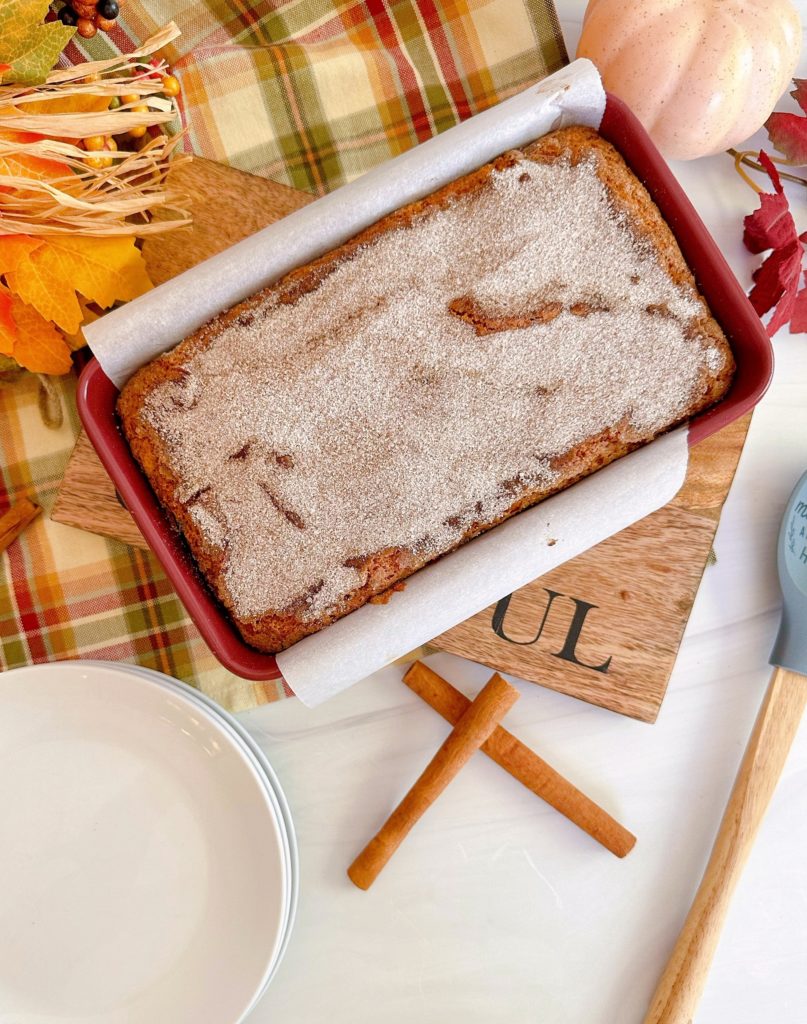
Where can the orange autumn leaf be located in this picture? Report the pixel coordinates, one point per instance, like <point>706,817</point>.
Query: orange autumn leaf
<point>13,134</point>
<point>8,337</point>
<point>23,165</point>
<point>7,325</point>
<point>51,295</point>
<point>33,343</point>
<point>89,313</point>
<point>39,347</point>
<point>76,104</point>
<point>26,165</point>
<point>103,270</point>
<point>14,249</point>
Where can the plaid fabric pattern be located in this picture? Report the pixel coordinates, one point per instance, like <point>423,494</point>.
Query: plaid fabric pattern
<point>308,92</point>
<point>65,593</point>
<point>313,93</point>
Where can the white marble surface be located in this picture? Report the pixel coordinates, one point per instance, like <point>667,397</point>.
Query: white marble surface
<point>496,908</point>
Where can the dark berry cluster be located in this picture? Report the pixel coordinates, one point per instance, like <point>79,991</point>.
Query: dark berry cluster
<point>90,17</point>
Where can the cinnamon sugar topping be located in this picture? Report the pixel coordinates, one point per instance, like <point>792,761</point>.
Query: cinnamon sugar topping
<point>426,382</point>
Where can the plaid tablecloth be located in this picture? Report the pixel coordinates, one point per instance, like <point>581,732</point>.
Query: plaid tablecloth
<point>308,92</point>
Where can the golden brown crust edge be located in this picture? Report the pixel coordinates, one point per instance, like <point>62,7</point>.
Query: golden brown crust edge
<point>275,631</point>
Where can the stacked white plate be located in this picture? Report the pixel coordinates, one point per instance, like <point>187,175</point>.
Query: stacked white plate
<point>148,865</point>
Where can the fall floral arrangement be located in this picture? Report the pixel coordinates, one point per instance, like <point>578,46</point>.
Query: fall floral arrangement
<point>84,158</point>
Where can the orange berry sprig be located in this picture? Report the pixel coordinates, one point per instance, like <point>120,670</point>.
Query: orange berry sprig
<point>102,147</point>
<point>170,86</point>
<point>88,16</point>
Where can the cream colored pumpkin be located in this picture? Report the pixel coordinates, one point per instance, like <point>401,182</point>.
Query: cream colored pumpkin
<point>701,75</point>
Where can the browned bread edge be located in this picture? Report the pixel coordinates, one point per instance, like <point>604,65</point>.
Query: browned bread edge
<point>278,629</point>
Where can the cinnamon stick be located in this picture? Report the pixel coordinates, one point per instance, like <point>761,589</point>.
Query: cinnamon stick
<point>525,765</point>
<point>14,521</point>
<point>473,727</point>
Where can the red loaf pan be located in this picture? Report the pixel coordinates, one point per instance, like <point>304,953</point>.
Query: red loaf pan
<point>751,345</point>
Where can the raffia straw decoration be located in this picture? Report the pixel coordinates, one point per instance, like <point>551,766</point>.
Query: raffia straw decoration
<point>118,200</point>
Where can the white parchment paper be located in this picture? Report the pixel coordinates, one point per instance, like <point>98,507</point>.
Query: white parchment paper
<point>131,336</point>
<point>514,553</point>
<point>493,565</point>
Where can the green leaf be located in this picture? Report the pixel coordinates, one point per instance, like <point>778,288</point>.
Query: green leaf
<point>28,47</point>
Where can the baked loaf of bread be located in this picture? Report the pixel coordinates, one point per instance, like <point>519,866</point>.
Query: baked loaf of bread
<point>460,360</point>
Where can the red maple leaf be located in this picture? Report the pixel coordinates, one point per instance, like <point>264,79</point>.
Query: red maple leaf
<point>776,281</point>
<point>798,321</point>
<point>772,225</point>
<point>799,94</point>
<point>788,132</point>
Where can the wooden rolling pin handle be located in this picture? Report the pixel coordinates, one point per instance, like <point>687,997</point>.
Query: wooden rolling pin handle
<point>477,723</point>
<point>682,983</point>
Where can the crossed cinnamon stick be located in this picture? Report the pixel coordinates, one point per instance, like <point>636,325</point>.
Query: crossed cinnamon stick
<point>476,726</point>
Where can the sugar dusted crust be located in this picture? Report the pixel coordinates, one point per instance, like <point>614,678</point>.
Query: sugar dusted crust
<point>278,628</point>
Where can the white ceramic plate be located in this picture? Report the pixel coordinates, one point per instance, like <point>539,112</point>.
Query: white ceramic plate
<point>276,794</point>
<point>144,875</point>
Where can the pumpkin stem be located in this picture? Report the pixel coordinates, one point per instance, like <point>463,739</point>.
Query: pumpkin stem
<point>739,160</point>
<point>746,157</point>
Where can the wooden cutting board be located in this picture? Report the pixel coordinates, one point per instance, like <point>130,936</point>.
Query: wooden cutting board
<point>604,627</point>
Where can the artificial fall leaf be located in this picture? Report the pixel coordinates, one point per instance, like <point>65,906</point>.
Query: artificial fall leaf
<point>776,282</point>
<point>21,165</point>
<point>39,346</point>
<point>52,294</point>
<point>799,94</point>
<point>776,285</point>
<point>14,249</point>
<point>7,326</point>
<point>798,321</point>
<point>89,313</point>
<point>788,132</point>
<point>103,270</point>
<point>28,47</point>
<point>772,225</point>
<point>78,103</point>
<point>24,165</point>
<point>34,343</point>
